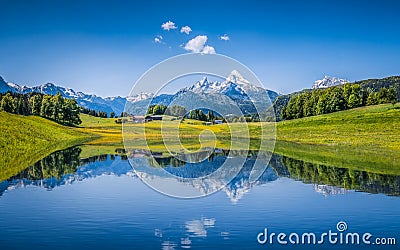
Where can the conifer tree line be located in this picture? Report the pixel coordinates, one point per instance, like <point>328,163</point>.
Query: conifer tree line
<point>207,115</point>
<point>54,107</point>
<point>160,109</point>
<point>337,98</point>
<point>157,109</point>
<point>180,111</point>
<point>95,113</point>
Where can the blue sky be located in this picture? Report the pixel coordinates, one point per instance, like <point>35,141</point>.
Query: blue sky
<point>103,47</point>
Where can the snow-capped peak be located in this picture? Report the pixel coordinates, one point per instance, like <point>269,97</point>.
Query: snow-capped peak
<point>236,77</point>
<point>235,86</point>
<point>328,81</point>
<point>203,81</point>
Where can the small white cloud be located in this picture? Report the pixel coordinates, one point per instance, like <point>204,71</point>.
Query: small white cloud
<point>224,37</point>
<point>186,29</point>
<point>168,26</point>
<point>208,50</point>
<point>196,44</point>
<point>158,39</point>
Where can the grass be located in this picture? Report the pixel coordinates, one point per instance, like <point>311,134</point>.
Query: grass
<point>371,127</point>
<point>366,138</point>
<point>379,161</point>
<point>26,139</point>
<point>106,131</point>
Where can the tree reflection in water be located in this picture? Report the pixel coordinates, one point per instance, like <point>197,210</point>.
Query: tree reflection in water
<point>66,162</point>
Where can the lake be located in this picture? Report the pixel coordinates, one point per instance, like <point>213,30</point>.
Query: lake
<point>65,201</point>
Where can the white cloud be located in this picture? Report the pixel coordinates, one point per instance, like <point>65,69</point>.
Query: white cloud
<point>186,29</point>
<point>158,39</point>
<point>196,44</point>
<point>224,37</point>
<point>168,26</point>
<point>208,50</point>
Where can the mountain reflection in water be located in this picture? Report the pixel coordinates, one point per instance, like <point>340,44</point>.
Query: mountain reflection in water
<point>66,167</point>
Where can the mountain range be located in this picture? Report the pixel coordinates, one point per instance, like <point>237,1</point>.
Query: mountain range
<point>108,104</point>
<point>235,93</point>
<point>233,96</point>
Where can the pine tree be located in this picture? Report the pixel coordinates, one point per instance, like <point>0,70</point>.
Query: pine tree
<point>7,103</point>
<point>35,102</point>
<point>372,99</point>
<point>46,108</point>
<point>354,101</point>
<point>391,96</point>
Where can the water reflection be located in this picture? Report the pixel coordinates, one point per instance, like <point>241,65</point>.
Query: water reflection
<point>190,176</point>
<point>327,190</point>
<point>341,177</point>
<point>198,228</point>
<point>326,180</point>
<point>55,165</point>
<point>66,167</point>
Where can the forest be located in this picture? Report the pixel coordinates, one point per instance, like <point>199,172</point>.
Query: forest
<point>54,107</point>
<point>337,98</point>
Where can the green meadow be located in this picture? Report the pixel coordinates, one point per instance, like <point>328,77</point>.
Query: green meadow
<point>365,138</point>
<point>25,140</point>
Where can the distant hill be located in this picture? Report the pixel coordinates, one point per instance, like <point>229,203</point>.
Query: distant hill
<point>376,84</point>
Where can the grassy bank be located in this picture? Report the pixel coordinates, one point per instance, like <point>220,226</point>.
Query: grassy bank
<point>26,139</point>
<point>369,128</point>
<point>365,138</point>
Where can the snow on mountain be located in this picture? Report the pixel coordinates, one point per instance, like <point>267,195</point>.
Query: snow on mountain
<point>235,86</point>
<point>234,83</point>
<point>140,97</point>
<point>235,89</point>
<point>328,81</point>
<point>236,77</point>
